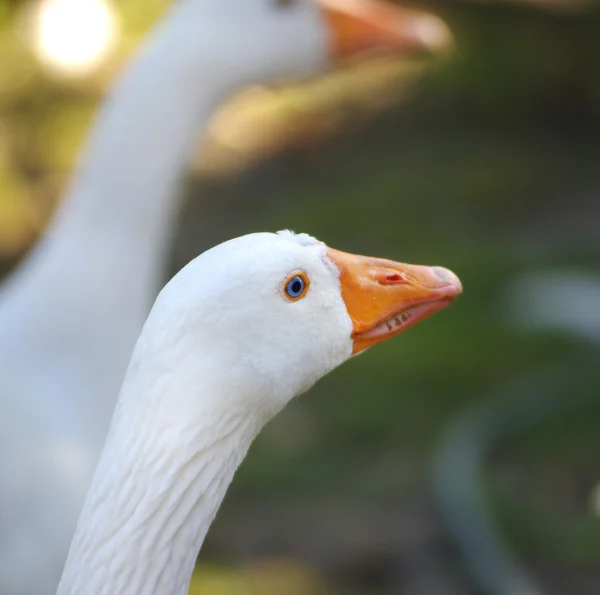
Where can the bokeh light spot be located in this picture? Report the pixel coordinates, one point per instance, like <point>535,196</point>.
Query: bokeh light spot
<point>74,37</point>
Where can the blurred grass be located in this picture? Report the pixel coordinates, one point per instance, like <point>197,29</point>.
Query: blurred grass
<point>271,577</point>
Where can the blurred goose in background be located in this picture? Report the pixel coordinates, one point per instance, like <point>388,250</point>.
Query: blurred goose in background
<point>70,315</point>
<point>200,387</point>
<point>559,299</point>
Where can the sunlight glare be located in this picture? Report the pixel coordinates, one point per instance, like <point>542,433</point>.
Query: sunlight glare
<point>74,37</point>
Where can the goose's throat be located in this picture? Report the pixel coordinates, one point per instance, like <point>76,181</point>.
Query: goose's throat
<point>152,501</point>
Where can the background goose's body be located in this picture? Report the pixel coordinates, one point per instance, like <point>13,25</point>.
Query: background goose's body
<point>70,315</point>
<point>232,338</point>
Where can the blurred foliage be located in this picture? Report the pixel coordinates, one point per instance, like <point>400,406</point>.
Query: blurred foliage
<point>270,577</point>
<point>486,162</point>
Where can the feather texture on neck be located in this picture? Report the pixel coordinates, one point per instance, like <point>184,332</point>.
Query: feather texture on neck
<point>171,453</point>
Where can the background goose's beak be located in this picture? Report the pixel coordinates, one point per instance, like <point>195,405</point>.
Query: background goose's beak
<point>360,25</point>
<point>384,298</point>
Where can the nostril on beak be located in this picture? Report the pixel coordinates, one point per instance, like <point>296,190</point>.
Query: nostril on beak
<point>447,277</point>
<point>387,276</point>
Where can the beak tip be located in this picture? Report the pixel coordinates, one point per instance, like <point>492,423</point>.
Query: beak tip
<point>448,278</point>
<point>433,33</point>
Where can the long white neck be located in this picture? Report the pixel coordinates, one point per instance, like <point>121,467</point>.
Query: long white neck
<point>146,517</point>
<point>77,304</point>
<point>177,436</point>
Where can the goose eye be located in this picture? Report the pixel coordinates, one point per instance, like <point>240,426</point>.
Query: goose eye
<point>295,286</point>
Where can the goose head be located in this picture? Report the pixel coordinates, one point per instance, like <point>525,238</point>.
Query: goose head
<point>264,40</point>
<point>276,312</point>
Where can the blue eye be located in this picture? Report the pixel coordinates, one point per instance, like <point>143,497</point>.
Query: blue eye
<point>295,287</point>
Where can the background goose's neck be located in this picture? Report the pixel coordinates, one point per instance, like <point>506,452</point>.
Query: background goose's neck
<point>77,304</point>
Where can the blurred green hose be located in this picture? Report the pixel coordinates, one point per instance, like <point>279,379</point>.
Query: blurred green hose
<point>460,458</point>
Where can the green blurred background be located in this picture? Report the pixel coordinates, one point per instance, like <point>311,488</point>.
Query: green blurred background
<point>485,160</point>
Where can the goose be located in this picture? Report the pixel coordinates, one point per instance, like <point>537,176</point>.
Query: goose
<point>536,302</point>
<point>70,315</point>
<point>232,338</point>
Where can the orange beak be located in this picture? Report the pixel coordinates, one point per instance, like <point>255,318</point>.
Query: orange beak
<point>361,25</point>
<point>384,298</point>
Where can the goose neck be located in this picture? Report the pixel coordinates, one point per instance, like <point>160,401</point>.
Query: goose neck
<point>151,503</point>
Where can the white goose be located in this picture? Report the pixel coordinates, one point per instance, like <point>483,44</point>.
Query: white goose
<point>70,316</point>
<point>240,331</point>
